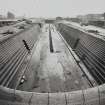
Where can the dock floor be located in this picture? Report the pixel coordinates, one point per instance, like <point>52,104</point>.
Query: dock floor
<point>53,71</point>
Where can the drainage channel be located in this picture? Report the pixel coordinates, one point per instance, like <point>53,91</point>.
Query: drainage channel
<point>50,40</point>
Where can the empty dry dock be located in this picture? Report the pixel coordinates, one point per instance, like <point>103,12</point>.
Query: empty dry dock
<point>51,67</point>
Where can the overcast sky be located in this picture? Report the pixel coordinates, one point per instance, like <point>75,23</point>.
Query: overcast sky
<point>51,8</point>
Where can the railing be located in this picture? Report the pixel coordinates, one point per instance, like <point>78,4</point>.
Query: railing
<point>91,96</point>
